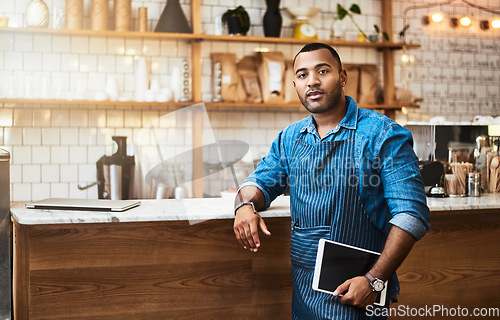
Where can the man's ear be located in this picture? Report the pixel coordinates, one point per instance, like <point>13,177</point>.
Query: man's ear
<point>294,85</point>
<point>343,78</point>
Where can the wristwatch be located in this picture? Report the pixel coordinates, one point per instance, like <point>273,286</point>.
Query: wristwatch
<point>244,204</point>
<point>376,284</point>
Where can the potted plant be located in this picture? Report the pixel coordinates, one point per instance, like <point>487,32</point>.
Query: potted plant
<point>354,9</point>
<point>375,37</point>
<point>237,20</point>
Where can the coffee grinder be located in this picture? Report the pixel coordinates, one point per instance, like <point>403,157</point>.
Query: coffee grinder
<point>115,172</point>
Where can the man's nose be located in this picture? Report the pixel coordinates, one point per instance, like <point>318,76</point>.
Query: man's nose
<point>313,80</point>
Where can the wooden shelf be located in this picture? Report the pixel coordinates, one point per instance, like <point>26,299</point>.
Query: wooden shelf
<point>337,43</point>
<point>202,37</point>
<point>180,104</point>
<point>104,33</point>
<point>249,105</point>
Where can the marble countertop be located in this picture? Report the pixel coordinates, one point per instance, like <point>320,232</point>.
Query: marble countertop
<point>193,210</point>
<point>196,210</point>
<point>487,201</point>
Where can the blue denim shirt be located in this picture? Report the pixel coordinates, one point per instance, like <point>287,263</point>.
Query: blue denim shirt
<point>390,186</point>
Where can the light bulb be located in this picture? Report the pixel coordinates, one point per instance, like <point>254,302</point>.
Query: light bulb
<point>437,17</point>
<point>495,24</point>
<point>465,21</point>
<point>404,58</point>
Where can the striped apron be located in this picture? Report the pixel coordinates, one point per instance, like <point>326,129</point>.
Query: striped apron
<point>325,203</point>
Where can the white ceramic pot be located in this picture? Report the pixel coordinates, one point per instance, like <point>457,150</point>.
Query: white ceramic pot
<point>37,14</point>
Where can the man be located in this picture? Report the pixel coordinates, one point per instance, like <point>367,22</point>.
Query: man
<point>353,178</point>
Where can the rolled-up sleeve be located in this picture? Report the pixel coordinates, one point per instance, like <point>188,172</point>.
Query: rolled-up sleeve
<point>271,176</point>
<point>404,190</point>
<point>410,224</point>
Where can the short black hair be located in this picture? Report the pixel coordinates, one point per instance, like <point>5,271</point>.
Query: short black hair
<point>316,46</point>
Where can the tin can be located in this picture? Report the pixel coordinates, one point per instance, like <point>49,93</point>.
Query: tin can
<point>473,186</point>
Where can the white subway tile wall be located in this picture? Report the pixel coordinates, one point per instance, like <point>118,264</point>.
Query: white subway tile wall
<point>54,146</point>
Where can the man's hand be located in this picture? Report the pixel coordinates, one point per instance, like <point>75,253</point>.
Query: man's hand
<point>246,228</point>
<point>359,292</point>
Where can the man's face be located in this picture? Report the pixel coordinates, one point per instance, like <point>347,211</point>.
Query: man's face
<point>318,81</point>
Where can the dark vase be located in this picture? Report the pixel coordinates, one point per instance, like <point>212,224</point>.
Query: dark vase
<point>272,19</point>
<point>173,19</point>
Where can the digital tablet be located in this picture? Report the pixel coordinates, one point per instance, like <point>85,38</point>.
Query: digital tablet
<point>338,262</point>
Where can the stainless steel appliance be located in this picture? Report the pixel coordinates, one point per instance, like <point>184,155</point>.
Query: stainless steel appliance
<point>114,173</point>
<point>5,238</point>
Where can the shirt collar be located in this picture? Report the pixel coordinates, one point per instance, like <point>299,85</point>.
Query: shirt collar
<point>350,120</point>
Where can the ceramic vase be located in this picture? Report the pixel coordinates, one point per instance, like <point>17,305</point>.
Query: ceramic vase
<point>233,25</point>
<point>272,19</point>
<point>37,14</point>
<point>173,19</point>
<point>74,14</point>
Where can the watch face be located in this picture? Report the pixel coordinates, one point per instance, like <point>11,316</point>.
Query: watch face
<point>378,285</point>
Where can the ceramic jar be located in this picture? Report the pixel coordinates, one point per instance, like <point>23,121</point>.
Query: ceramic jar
<point>37,14</point>
<point>74,14</point>
<point>99,14</point>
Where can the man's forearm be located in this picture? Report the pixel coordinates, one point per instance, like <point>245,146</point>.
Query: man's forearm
<point>250,194</point>
<point>399,243</point>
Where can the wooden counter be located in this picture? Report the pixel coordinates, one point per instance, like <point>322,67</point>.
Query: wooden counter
<point>194,269</point>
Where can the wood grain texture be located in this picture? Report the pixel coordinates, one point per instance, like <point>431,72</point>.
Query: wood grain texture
<point>20,273</point>
<point>154,271</point>
<point>455,264</point>
<point>174,270</point>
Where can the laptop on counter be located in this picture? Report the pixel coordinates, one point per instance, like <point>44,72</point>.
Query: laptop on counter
<point>84,204</point>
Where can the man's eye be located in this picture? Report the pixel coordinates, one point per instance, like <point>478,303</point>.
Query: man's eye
<point>301,75</point>
<point>322,71</point>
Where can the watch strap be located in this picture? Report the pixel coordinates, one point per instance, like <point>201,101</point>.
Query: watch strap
<point>370,278</point>
<point>244,204</point>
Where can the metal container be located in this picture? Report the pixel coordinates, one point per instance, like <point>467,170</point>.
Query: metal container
<point>473,186</point>
<point>115,181</point>
<point>115,173</point>
<point>5,238</point>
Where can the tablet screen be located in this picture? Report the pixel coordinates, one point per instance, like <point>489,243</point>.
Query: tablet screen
<point>337,262</point>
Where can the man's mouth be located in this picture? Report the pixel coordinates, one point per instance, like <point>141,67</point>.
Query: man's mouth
<point>314,94</point>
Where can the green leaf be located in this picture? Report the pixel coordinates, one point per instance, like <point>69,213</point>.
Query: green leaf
<point>355,9</point>
<point>385,35</point>
<point>246,22</point>
<point>341,12</point>
<point>377,30</point>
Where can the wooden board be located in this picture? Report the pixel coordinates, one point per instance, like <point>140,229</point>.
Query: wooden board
<point>165,270</point>
<point>175,270</point>
<point>456,264</point>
